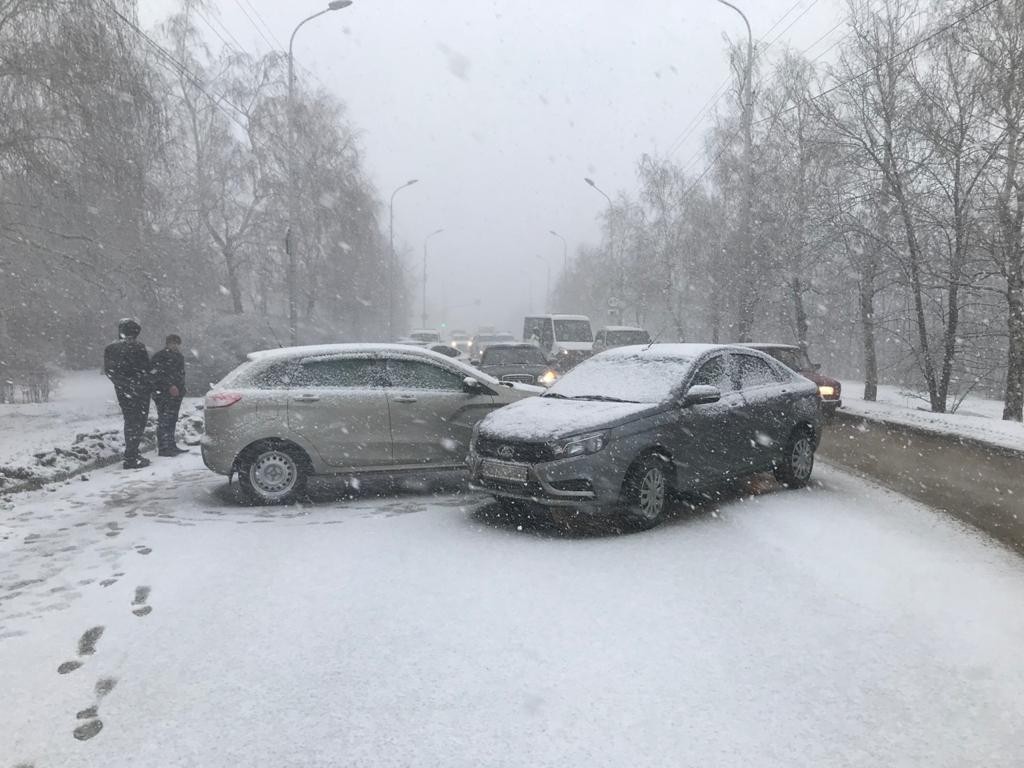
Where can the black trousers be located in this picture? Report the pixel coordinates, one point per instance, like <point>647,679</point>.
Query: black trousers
<point>167,409</point>
<point>135,409</point>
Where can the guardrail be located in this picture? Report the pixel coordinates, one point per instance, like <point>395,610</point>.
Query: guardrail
<point>25,386</point>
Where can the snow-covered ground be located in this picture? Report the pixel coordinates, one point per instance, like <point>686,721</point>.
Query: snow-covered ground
<point>837,626</point>
<point>976,418</point>
<point>80,425</point>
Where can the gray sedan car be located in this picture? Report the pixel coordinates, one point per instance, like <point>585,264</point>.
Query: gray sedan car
<point>288,414</point>
<point>620,432</point>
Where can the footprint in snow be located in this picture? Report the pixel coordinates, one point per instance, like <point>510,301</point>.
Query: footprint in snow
<point>90,715</point>
<point>86,647</point>
<point>143,550</point>
<point>141,596</point>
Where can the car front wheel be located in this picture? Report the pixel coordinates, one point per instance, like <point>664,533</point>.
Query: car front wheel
<point>794,470</point>
<point>646,492</point>
<point>273,473</point>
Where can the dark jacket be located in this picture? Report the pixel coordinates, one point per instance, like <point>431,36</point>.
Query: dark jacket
<point>126,364</point>
<point>168,370</point>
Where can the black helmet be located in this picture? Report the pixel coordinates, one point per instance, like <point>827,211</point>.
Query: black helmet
<point>127,327</point>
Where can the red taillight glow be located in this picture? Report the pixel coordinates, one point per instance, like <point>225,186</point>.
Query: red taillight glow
<point>222,399</point>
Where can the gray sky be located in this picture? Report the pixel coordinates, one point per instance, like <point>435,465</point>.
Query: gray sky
<point>501,109</point>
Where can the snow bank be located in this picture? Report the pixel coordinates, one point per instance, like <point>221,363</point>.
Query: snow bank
<point>80,428</point>
<point>976,419</point>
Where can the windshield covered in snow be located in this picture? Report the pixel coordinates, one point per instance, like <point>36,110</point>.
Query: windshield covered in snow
<point>639,378</point>
<point>794,359</point>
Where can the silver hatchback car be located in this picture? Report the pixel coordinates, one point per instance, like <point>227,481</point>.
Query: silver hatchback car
<point>344,409</point>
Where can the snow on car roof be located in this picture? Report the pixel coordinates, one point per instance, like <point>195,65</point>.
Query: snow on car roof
<point>329,350</point>
<point>617,328</point>
<point>558,317</point>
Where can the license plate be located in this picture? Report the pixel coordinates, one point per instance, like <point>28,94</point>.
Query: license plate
<point>497,470</point>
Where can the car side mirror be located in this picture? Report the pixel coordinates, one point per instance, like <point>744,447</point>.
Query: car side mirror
<point>702,394</point>
<point>472,386</point>
<point>474,361</point>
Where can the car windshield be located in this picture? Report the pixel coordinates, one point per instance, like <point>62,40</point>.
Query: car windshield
<point>424,336</point>
<point>627,338</point>
<point>642,378</point>
<point>573,330</point>
<point>526,355</point>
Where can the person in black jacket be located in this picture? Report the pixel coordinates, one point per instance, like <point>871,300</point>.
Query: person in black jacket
<point>168,380</point>
<point>126,364</point>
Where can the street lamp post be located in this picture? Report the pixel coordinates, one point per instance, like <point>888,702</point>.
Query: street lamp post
<point>547,285</point>
<point>423,316</point>
<point>565,251</point>
<point>289,237</point>
<point>746,234</point>
<point>620,277</point>
<point>391,257</point>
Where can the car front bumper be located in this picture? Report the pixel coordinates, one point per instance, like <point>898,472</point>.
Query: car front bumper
<point>591,483</point>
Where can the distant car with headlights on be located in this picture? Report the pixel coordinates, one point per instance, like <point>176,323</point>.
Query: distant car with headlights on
<point>288,414</point>
<point>520,362</point>
<point>461,341</point>
<point>795,358</point>
<point>619,433</point>
<point>482,341</point>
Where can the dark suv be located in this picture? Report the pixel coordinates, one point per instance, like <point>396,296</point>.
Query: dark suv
<point>521,362</point>
<point>621,431</point>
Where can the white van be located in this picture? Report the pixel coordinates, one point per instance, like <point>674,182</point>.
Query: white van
<point>567,339</point>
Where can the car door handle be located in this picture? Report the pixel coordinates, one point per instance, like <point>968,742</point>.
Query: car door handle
<point>405,399</point>
<point>306,398</point>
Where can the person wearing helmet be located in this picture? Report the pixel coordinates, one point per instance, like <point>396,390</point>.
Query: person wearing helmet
<point>126,364</point>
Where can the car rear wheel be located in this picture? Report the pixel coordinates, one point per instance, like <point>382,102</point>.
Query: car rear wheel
<point>273,473</point>
<point>794,471</point>
<point>646,492</point>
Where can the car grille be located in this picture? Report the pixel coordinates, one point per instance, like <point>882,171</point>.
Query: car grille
<point>507,450</point>
<point>521,378</point>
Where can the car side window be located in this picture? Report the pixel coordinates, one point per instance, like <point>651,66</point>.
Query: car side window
<point>754,372</point>
<point>715,372</point>
<point>414,374</point>
<point>356,373</point>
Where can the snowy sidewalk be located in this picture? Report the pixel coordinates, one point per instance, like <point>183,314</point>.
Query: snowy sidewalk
<point>79,428</point>
<point>976,419</point>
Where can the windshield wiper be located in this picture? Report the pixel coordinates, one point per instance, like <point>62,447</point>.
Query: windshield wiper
<point>603,398</point>
<point>555,394</point>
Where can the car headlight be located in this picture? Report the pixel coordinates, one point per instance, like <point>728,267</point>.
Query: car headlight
<point>580,445</point>
<point>547,378</point>
<point>827,390</point>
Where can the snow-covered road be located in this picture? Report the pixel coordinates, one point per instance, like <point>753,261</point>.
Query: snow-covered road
<point>838,626</point>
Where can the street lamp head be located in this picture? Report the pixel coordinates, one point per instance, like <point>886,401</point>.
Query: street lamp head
<point>589,181</point>
<point>410,182</point>
<point>552,232</point>
<point>337,5</point>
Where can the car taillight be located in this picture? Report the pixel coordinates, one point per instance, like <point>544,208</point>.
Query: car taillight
<point>222,399</point>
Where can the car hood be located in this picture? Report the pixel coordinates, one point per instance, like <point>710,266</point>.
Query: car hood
<point>539,419</point>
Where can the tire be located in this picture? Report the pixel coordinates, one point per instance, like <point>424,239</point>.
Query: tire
<point>794,470</point>
<point>646,492</point>
<point>273,473</point>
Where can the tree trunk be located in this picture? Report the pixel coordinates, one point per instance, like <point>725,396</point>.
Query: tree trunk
<point>799,310</point>
<point>1013,404</point>
<point>867,324</point>
<point>234,287</point>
